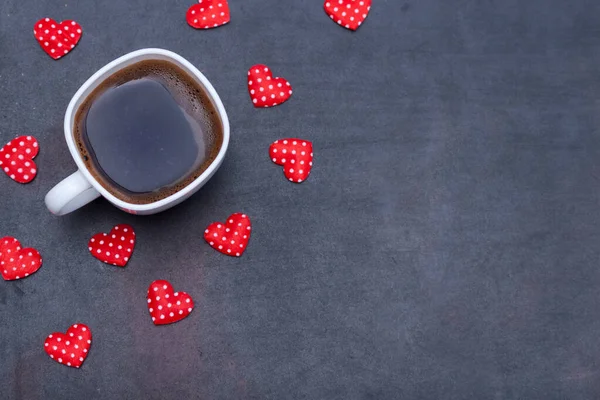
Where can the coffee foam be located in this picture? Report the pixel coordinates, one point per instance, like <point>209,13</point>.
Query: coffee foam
<point>190,96</point>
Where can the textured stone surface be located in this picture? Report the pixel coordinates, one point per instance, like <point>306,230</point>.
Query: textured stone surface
<point>445,245</point>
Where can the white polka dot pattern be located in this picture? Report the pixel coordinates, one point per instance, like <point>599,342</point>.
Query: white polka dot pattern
<point>57,39</point>
<point>167,306</point>
<point>296,157</point>
<point>72,348</point>
<point>230,238</point>
<point>16,158</point>
<point>16,262</point>
<point>266,91</point>
<point>114,248</point>
<point>208,14</point>
<point>348,13</point>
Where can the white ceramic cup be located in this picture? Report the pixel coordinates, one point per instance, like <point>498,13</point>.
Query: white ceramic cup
<point>81,187</point>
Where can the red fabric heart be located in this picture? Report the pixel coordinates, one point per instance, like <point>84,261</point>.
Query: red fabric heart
<point>57,39</point>
<point>266,91</point>
<point>16,158</point>
<point>114,248</point>
<point>166,306</point>
<point>208,14</point>
<point>295,155</point>
<point>69,349</point>
<point>16,262</point>
<point>348,13</point>
<point>230,238</point>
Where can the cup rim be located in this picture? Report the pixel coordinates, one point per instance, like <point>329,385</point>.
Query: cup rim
<point>112,68</point>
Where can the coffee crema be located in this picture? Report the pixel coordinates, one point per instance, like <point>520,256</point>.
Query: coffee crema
<point>148,131</point>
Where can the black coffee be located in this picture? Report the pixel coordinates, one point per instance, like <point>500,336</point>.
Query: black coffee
<point>148,131</point>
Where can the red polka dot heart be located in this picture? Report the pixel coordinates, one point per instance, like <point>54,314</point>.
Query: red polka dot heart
<point>230,238</point>
<point>114,248</point>
<point>208,14</point>
<point>167,306</point>
<point>17,262</point>
<point>57,39</point>
<point>266,91</point>
<point>16,158</point>
<point>348,13</point>
<point>70,349</point>
<point>296,157</point>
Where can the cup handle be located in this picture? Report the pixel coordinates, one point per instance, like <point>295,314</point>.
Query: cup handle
<point>70,194</point>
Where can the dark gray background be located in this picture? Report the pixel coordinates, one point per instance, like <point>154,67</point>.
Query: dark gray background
<point>444,247</point>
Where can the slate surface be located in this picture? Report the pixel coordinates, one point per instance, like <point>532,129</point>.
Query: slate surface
<point>445,246</point>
